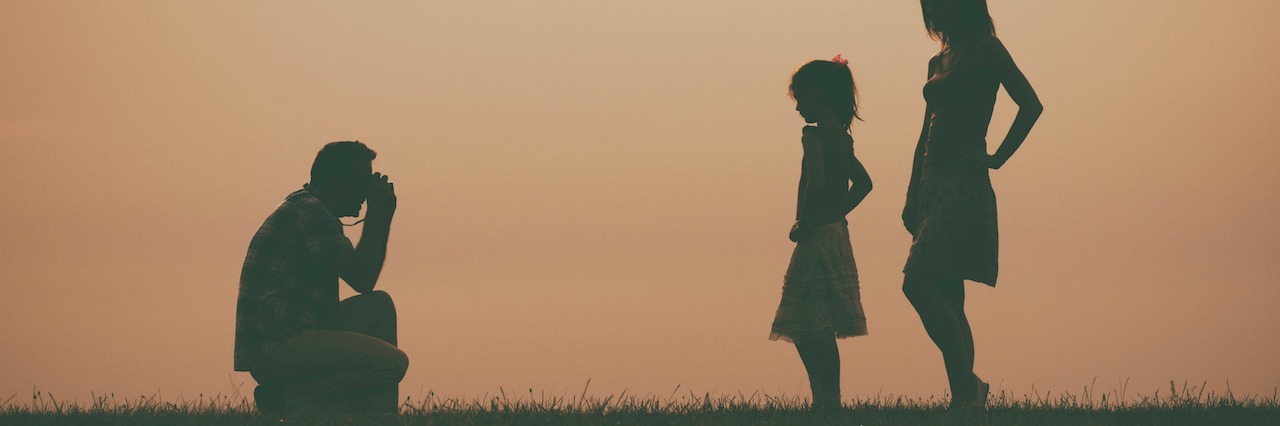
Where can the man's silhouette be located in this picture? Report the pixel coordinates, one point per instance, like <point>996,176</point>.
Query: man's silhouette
<point>292,334</point>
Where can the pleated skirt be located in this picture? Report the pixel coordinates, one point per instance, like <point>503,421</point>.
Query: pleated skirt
<point>956,235</point>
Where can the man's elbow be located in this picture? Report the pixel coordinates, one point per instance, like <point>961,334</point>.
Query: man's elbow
<point>366,285</point>
<point>358,283</point>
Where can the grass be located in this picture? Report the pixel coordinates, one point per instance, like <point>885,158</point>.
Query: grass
<point>1188,405</point>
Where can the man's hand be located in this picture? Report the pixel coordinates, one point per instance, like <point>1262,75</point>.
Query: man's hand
<point>363,269</point>
<point>382,196</point>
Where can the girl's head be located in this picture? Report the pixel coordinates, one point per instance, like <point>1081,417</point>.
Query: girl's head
<point>824,90</point>
<point>951,20</point>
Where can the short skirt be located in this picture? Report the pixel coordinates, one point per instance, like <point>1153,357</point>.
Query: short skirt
<point>955,235</point>
<point>820,297</point>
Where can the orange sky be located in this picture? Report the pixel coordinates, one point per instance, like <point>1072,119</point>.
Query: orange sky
<point>601,190</point>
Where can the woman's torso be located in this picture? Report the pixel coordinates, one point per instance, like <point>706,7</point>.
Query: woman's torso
<point>961,95</point>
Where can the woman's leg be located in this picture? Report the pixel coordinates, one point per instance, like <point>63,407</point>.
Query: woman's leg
<point>821,360</point>
<point>948,329</point>
<point>953,292</point>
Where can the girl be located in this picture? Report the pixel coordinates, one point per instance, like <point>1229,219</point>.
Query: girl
<point>951,208</point>
<point>820,300</point>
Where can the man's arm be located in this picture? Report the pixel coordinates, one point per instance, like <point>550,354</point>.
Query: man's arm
<point>361,269</point>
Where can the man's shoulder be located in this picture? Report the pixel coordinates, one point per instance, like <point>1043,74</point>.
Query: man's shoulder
<point>301,199</point>
<point>306,203</point>
<point>299,205</point>
<point>286,215</point>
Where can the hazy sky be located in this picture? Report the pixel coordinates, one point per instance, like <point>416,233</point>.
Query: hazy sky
<point>602,190</point>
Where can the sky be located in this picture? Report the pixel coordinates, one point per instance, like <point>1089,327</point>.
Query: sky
<point>602,190</point>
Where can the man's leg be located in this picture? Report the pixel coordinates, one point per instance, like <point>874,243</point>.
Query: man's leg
<point>373,314</point>
<point>333,365</point>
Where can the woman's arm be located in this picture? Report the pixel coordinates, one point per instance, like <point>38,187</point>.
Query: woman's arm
<point>1029,107</point>
<point>917,160</point>
<point>908,213</point>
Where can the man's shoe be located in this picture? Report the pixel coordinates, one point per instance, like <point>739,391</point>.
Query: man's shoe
<point>270,400</point>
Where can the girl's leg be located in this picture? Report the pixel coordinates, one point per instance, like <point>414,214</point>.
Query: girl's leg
<point>944,325</point>
<point>821,360</point>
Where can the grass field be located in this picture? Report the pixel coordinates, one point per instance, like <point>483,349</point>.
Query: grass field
<point>1187,405</point>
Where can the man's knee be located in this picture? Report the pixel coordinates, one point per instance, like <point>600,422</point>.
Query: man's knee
<point>374,301</point>
<point>395,363</point>
<point>381,298</point>
<point>402,362</point>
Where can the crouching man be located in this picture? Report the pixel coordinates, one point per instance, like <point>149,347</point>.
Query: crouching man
<point>302,345</point>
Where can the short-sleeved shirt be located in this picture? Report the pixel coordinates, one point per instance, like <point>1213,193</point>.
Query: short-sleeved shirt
<point>289,282</point>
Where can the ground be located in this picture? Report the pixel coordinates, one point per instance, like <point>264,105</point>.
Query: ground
<point>1188,406</point>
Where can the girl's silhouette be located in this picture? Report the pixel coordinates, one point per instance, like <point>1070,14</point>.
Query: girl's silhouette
<point>820,300</point>
<point>951,207</point>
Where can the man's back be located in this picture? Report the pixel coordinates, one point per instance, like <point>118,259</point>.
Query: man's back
<point>288,283</point>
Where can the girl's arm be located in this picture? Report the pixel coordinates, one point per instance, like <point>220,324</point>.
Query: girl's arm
<point>815,174</point>
<point>1029,107</point>
<point>860,186</point>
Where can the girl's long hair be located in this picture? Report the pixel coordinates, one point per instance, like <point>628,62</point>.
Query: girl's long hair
<point>833,84</point>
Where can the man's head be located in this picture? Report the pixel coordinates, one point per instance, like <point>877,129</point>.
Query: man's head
<point>341,175</point>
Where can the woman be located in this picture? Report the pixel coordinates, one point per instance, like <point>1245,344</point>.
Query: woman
<point>951,207</point>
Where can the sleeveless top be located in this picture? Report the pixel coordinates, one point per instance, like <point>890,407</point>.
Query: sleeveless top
<point>828,203</point>
<point>961,98</point>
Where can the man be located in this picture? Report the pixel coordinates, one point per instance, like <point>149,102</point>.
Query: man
<point>292,334</point>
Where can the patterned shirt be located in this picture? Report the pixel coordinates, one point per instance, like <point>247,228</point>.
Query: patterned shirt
<point>288,282</point>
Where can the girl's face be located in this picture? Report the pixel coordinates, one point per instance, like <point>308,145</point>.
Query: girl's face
<point>807,107</point>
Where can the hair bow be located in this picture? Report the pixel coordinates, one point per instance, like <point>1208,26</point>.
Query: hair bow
<point>839,60</point>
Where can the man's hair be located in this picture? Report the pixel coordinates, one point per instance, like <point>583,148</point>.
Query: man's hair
<point>340,160</point>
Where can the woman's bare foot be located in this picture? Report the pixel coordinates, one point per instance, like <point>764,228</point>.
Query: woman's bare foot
<point>978,400</point>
